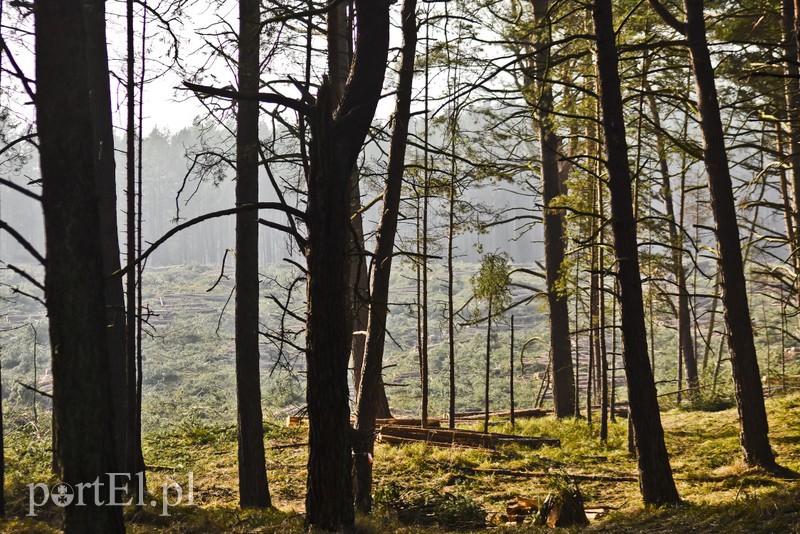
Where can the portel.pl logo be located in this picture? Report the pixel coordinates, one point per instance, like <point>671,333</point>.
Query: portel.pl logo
<point>108,492</point>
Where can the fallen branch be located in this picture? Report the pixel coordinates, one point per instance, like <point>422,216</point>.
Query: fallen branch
<point>540,474</point>
<point>398,433</point>
<point>290,445</point>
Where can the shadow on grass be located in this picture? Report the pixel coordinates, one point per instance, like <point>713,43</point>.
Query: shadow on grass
<point>776,511</point>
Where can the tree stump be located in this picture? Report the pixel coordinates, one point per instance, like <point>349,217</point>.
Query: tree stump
<point>564,509</point>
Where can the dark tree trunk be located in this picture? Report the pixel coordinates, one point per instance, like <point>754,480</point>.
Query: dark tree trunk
<point>563,374</point>
<point>2,431</point>
<point>655,475</point>
<point>747,378</point>
<point>339,56</point>
<point>792,96</point>
<point>511,377</point>
<point>486,375</point>
<point>133,454</point>
<point>423,304</point>
<point>100,102</point>
<point>74,281</point>
<point>371,384</point>
<point>451,312</point>
<point>336,139</point>
<point>253,486</point>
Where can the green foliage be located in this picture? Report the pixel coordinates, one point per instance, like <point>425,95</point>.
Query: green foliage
<point>491,284</point>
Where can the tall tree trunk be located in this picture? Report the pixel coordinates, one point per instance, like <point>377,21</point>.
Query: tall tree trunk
<point>686,339</point>
<point>786,198</point>
<point>2,430</point>
<point>371,384</point>
<point>488,358</point>
<point>747,378</point>
<point>452,188</point>
<point>563,374</point>
<point>336,139</point>
<point>601,320</point>
<point>451,312</point>
<point>100,102</point>
<point>511,376</point>
<point>74,281</point>
<point>2,435</point>
<point>792,97</point>
<point>423,305</point>
<point>339,57</point>
<point>655,475</point>
<point>253,486</point>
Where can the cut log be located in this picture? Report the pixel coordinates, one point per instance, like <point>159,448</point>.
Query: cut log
<point>533,412</point>
<point>294,420</point>
<point>407,421</point>
<point>469,438</point>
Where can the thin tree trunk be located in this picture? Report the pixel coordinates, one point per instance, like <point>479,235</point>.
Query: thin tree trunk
<point>2,431</point>
<point>791,16</point>
<point>785,197</point>
<point>511,376</point>
<point>655,475</point>
<point>371,384</point>
<point>451,313</point>
<point>488,357</point>
<point>564,384</point>
<point>137,425</point>
<point>253,486</point>
<point>601,331</point>
<point>577,338</point>
<point>423,352</point>
<point>685,337</point>
<point>74,281</point>
<point>132,452</point>
<point>792,97</point>
<point>451,234</point>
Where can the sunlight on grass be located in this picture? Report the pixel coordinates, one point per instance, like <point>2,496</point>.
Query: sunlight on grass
<point>422,488</point>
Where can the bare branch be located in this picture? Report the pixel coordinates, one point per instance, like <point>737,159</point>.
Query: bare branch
<point>232,94</point>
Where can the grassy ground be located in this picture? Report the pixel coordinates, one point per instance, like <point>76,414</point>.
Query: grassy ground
<point>456,485</point>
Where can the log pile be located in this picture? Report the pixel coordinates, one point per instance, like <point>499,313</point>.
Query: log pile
<point>466,438</point>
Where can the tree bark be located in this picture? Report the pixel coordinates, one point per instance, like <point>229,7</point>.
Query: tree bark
<point>100,102</point>
<point>371,384</point>
<point>336,140</point>
<point>339,58</point>
<point>792,97</point>
<point>655,475</point>
<point>747,378</point>
<point>253,486</point>
<point>563,374</point>
<point>74,282</point>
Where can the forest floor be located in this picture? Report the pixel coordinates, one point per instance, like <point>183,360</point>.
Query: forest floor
<point>428,489</point>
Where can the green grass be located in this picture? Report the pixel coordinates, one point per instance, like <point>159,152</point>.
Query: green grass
<point>189,410</point>
<point>432,489</point>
